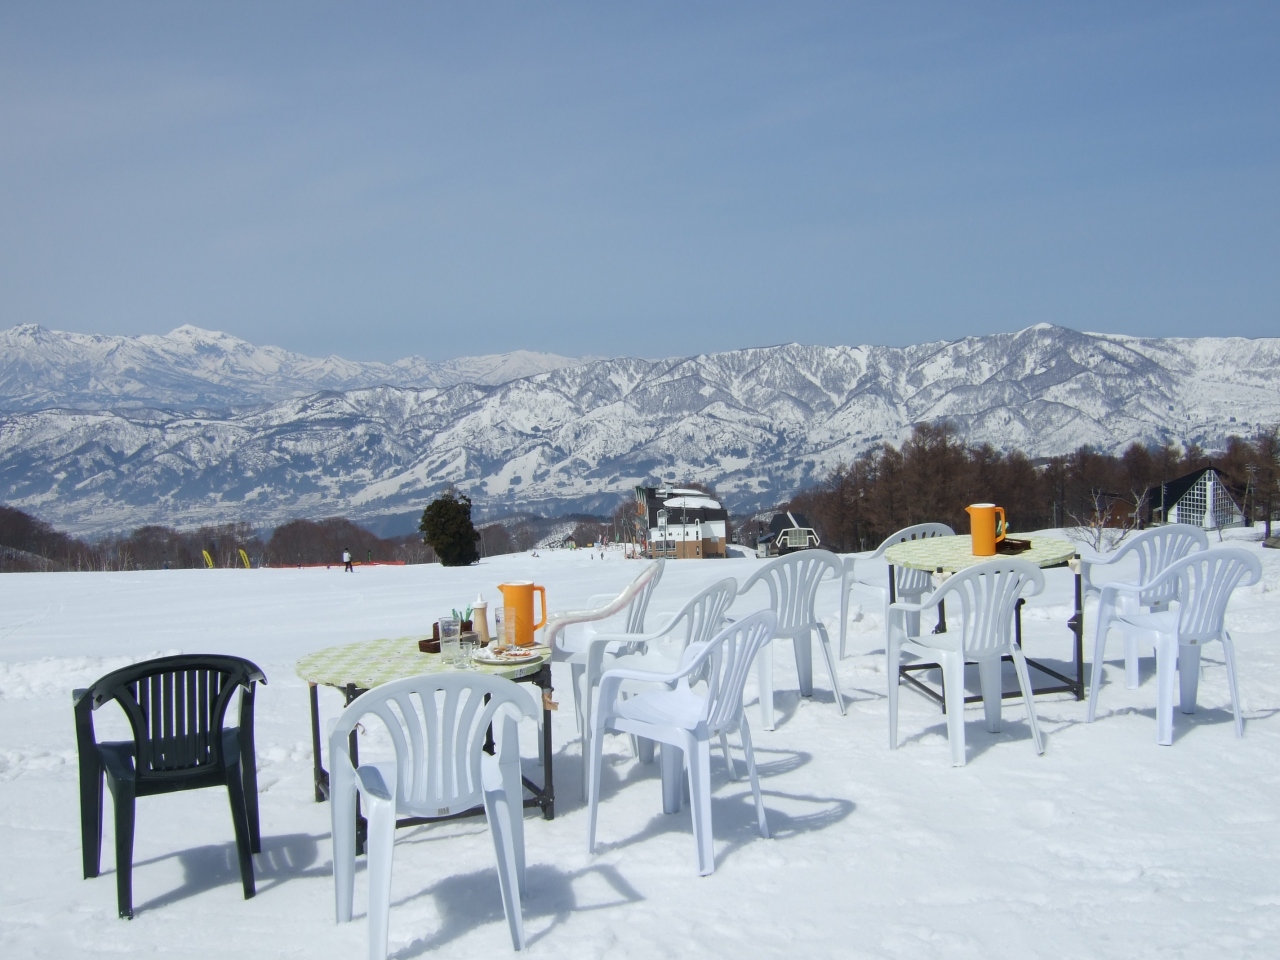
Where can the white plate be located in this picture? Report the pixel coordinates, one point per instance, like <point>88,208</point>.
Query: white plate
<point>507,660</point>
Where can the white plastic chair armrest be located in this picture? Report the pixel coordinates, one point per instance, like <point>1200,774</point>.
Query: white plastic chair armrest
<point>556,622</point>
<point>907,606</point>
<point>372,786</point>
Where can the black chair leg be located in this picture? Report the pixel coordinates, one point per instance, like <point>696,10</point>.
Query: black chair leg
<point>122,797</point>
<point>249,764</point>
<point>91,814</point>
<point>240,820</point>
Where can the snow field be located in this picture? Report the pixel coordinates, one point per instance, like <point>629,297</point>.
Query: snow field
<point>1107,846</point>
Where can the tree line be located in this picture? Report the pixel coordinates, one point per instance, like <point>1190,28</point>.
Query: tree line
<point>30,544</point>
<point>933,476</point>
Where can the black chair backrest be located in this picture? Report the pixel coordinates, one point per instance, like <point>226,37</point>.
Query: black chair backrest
<point>176,706</point>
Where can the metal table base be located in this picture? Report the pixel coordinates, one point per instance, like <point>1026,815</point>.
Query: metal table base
<point>1072,685</point>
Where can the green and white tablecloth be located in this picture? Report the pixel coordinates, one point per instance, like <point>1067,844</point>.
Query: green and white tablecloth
<point>369,663</point>
<point>953,554</point>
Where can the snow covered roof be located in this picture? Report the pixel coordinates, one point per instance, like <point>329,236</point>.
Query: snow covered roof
<point>700,502</point>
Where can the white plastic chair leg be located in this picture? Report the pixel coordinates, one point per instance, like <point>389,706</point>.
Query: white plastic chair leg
<point>1166,677</point>
<point>990,674</point>
<point>1132,665</point>
<point>576,671</point>
<point>764,680</point>
<point>513,787</point>
<point>342,813</point>
<point>728,757</point>
<point>1024,684</point>
<point>1229,654</point>
<point>593,788</point>
<point>1095,673</point>
<point>698,756</point>
<point>846,584</point>
<point>893,655</point>
<point>953,688</point>
<point>761,820</point>
<point>642,747</point>
<point>380,844</point>
<point>509,852</point>
<point>1188,676</point>
<point>803,645</point>
<point>825,641</point>
<point>672,764</point>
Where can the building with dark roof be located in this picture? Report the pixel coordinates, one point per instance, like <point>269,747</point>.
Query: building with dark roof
<point>1201,498</point>
<point>682,523</point>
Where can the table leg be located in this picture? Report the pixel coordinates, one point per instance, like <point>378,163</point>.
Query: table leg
<point>547,796</point>
<point>1076,623</point>
<point>320,774</point>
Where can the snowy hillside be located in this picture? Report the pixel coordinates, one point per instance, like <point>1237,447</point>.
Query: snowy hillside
<point>756,422</point>
<point>194,369</point>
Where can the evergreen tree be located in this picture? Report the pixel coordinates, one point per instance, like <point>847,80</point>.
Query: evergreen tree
<point>446,528</point>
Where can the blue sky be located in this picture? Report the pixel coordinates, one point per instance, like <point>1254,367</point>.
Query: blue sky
<point>648,179</point>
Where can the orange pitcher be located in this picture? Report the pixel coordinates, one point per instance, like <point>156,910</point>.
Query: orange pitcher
<point>517,606</point>
<point>985,530</point>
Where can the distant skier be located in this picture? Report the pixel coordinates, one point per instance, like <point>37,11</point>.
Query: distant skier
<point>346,560</point>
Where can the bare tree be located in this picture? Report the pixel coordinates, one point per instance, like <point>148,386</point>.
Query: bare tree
<point>1266,453</point>
<point>1106,521</point>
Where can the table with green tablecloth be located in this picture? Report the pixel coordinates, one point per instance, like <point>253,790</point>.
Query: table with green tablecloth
<point>946,555</point>
<point>354,668</point>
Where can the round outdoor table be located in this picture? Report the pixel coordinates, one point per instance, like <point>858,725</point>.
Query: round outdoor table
<point>946,555</point>
<point>355,668</point>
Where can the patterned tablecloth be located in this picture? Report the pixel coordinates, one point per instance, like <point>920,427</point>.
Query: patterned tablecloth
<point>369,663</point>
<point>953,554</point>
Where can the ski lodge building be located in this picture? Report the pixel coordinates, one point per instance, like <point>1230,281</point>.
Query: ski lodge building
<point>682,523</point>
<point>1200,498</point>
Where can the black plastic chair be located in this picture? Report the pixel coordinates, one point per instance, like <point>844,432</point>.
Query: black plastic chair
<point>176,706</point>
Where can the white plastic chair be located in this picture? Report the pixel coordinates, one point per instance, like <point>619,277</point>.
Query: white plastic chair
<point>633,602</point>
<point>909,585</point>
<point>684,721</point>
<point>437,723</point>
<point>793,582</point>
<point>982,633</point>
<point>1202,584</point>
<point>660,651</point>
<point>1155,549</point>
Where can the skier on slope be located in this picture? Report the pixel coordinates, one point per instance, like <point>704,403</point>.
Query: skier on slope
<point>346,560</point>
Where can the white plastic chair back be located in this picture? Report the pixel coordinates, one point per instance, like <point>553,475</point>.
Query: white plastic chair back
<point>1203,583</point>
<point>1156,550</point>
<point>699,620</point>
<point>728,658</point>
<point>643,586</point>
<point>793,586</point>
<point>987,594</point>
<point>438,724</point>
<point>911,582</point>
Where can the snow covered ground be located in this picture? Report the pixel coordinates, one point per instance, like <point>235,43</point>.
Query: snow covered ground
<point>1107,846</point>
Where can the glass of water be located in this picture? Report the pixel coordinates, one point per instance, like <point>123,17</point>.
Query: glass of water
<point>448,640</point>
<point>498,642</point>
<point>466,650</point>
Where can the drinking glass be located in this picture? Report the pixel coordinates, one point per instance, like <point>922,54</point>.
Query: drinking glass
<point>498,642</point>
<point>448,640</point>
<point>466,650</point>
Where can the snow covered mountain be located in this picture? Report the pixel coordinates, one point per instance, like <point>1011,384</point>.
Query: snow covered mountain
<point>192,369</point>
<point>756,422</point>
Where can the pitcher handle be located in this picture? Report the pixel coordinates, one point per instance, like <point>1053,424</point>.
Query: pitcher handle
<point>543,622</point>
<point>1000,525</point>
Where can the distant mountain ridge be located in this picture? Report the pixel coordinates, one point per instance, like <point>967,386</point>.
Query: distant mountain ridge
<point>757,422</point>
<point>194,369</point>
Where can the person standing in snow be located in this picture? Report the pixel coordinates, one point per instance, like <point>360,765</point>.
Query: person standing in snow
<point>346,560</point>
